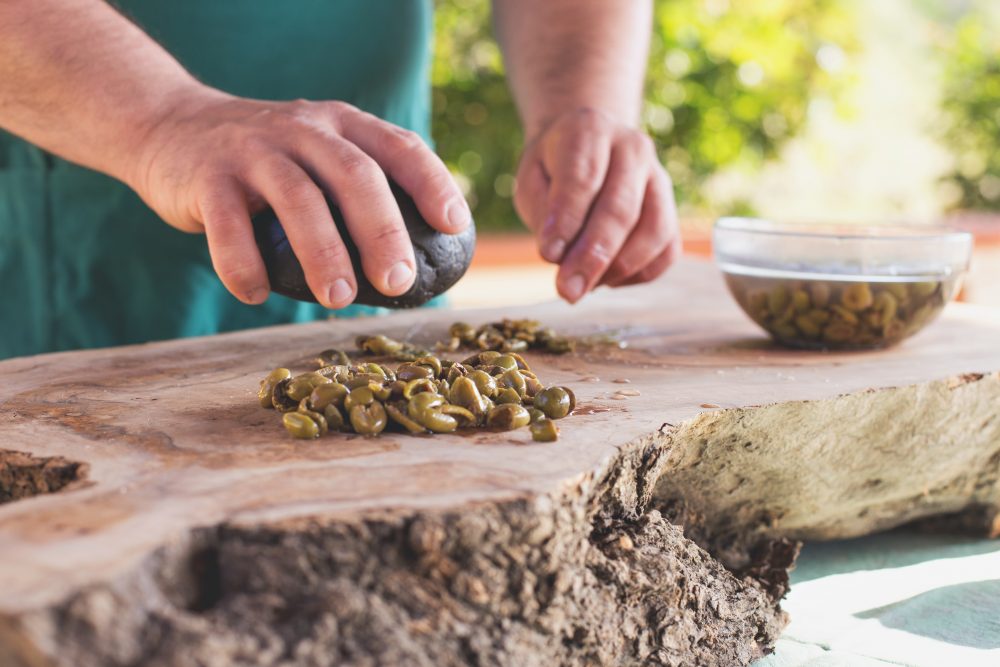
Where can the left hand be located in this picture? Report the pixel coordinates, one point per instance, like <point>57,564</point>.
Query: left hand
<point>599,202</point>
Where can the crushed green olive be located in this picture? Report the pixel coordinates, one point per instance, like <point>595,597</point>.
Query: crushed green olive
<point>315,416</point>
<point>544,430</point>
<point>334,418</point>
<point>300,426</point>
<point>326,394</point>
<point>508,416</point>
<point>359,396</point>
<point>398,415</point>
<point>508,395</point>
<point>840,313</point>
<point>494,387</point>
<point>266,392</point>
<point>485,383</point>
<point>368,419</point>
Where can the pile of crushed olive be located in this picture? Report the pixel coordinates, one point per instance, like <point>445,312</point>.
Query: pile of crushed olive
<point>490,389</point>
<point>839,314</point>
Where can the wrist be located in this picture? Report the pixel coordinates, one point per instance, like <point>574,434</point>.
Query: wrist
<point>536,126</point>
<point>142,137</point>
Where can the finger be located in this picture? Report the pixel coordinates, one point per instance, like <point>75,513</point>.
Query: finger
<point>305,215</point>
<point>235,257</point>
<point>614,216</point>
<point>657,267</point>
<point>576,160</point>
<point>531,192</point>
<point>656,229</point>
<point>370,211</point>
<point>409,161</point>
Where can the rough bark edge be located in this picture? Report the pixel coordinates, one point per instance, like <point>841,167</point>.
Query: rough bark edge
<point>588,577</point>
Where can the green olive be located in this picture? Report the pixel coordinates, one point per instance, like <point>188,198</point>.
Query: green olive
<point>838,331</point>
<point>436,421</point>
<point>535,414</point>
<point>400,417</point>
<point>456,371</point>
<point>514,345</point>
<point>490,339</point>
<point>506,362</point>
<point>314,415</point>
<point>924,289</point>
<point>559,345</point>
<point>819,316</point>
<point>414,387</point>
<point>333,357</point>
<point>808,327</point>
<point>464,332</point>
<point>325,394</point>
<point>266,393</point>
<point>368,419</point>
<point>303,385</point>
<point>300,426</point>
<point>464,417</point>
<point>856,297</point>
<point>784,331</point>
<point>555,402</point>
<point>431,362</point>
<point>379,345</point>
<point>544,430</point>
<point>425,401</point>
<point>280,398</point>
<point>513,379</point>
<point>819,294</point>
<point>777,300</point>
<point>844,314</point>
<point>508,395</point>
<point>508,416</point>
<point>411,371</point>
<point>886,304</point>
<point>334,417</point>
<point>800,301</point>
<point>374,370</point>
<point>486,384</point>
<point>522,365</point>
<point>359,396</point>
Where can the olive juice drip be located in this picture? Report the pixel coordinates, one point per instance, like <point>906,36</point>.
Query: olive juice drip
<point>840,313</point>
<point>494,388</point>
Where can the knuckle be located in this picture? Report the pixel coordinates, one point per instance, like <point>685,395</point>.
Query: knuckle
<point>585,171</point>
<point>388,236</point>
<point>358,166</point>
<point>596,255</point>
<point>239,274</point>
<point>298,192</point>
<point>621,205</point>
<point>328,256</point>
<point>401,140</point>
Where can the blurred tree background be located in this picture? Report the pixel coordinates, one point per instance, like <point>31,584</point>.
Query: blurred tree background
<point>729,82</point>
<point>971,111</point>
<point>883,104</point>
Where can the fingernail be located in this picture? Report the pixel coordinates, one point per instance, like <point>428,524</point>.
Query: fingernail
<point>553,250</point>
<point>257,296</point>
<point>459,215</point>
<point>574,287</point>
<point>400,275</point>
<point>340,293</point>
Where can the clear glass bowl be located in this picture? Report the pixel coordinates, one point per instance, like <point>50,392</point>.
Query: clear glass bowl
<point>840,287</point>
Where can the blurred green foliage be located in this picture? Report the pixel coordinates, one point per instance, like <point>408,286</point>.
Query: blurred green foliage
<point>728,83</point>
<point>971,105</point>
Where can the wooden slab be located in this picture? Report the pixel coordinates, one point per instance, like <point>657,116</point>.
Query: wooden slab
<point>191,530</point>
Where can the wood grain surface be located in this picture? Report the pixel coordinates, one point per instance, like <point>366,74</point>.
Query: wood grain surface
<point>171,439</point>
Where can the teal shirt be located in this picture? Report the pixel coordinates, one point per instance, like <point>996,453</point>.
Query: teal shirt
<point>84,263</point>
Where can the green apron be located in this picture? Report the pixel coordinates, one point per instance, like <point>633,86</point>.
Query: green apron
<point>84,263</point>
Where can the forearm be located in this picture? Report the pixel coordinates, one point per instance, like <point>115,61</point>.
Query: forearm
<point>81,81</point>
<point>567,54</point>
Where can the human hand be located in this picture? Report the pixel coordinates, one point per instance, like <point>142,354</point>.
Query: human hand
<point>599,202</point>
<point>213,160</point>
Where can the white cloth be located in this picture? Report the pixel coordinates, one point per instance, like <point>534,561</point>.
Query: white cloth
<point>897,598</point>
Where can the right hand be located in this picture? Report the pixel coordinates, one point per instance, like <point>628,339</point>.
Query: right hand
<point>213,160</point>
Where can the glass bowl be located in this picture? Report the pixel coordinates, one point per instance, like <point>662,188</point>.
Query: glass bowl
<point>840,287</point>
